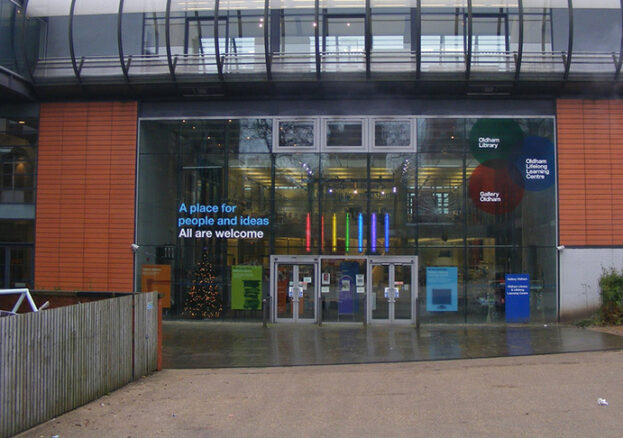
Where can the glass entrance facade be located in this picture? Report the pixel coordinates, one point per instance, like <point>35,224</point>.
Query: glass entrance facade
<point>474,198</point>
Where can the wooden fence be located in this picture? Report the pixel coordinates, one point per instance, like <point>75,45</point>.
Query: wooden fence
<point>58,359</point>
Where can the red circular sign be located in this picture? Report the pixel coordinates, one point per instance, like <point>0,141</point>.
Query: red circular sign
<point>492,188</point>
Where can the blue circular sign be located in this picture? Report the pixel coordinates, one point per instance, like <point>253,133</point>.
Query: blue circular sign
<point>536,163</point>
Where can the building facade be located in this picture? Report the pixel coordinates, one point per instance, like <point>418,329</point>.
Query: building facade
<point>315,161</point>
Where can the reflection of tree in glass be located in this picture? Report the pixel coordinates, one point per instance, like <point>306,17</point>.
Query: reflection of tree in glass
<point>256,135</point>
<point>538,127</point>
<point>344,134</point>
<point>392,134</point>
<point>296,134</point>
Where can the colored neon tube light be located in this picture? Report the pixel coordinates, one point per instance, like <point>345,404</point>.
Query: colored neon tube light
<point>386,232</point>
<point>373,232</point>
<point>347,237</point>
<point>308,233</point>
<point>360,233</point>
<point>322,233</point>
<point>334,234</point>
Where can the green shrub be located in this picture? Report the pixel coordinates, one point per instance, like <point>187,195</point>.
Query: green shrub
<point>611,286</point>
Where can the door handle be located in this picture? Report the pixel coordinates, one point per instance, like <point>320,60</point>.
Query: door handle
<point>391,293</point>
<point>295,292</point>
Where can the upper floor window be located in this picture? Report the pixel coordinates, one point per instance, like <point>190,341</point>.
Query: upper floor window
<point>344,133</point>
<point>16,181</point>
<point>296,135</point>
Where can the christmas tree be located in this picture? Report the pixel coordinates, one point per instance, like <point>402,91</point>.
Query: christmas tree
<point>203,299</point>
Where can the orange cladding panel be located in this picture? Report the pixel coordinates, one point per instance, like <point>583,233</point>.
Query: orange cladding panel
<point>590,149</point>
<point>86,174</point>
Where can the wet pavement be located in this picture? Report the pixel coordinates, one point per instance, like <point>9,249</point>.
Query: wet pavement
<point>198,344</point>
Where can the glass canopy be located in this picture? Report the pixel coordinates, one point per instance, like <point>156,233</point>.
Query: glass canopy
<point>187,40</point>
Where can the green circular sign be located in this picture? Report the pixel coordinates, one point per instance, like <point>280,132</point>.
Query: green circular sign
<point>495,139</point>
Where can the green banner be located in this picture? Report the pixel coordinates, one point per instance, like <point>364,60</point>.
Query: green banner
<point>246,287</point>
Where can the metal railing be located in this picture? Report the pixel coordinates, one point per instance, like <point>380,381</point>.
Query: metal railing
<point>22,294</point>
<point>289,65</point>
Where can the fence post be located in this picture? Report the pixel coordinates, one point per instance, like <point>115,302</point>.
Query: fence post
<point>133,334</point>
<point>265,310</point>
<point>159,357</point>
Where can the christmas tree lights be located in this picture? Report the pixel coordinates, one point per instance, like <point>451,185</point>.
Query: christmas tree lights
<point>203,300</point>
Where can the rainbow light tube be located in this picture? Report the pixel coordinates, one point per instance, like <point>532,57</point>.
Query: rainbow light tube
<point>334,234</point>
<point>373,230</point>
<point>347,237</point>
<point>308,233</point>
<point>322,233</point>
<point>386,232</point>
<point>360,233</point>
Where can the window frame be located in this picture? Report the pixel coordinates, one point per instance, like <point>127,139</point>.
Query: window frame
<point>341,148</point>
<point>412,147</point>
<point>278,148</point>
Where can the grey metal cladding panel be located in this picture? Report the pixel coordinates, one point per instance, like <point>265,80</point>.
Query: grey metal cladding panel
<point>19,110</point>
<point>365,107</point>
<point>17,211</point>
<point>132,39</point>
<point>95,35</point>
<point>595,30</point>
<point>57,45</point>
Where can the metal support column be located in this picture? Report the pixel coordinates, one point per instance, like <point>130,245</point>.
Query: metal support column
<point>72,52</point>
<point>570,45</point>
<point>368,37</point>
<point>317,36</point>
<point>167,33</point>
<point>520,42</point>
<point>620,60</point>
<point>217,49</point>
<point>267,48</point>
<point>124,67</point>
<point>468,53</point>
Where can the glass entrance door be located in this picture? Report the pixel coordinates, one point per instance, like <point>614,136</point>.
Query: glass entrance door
<point>392,289</point>
<point>295,290</point>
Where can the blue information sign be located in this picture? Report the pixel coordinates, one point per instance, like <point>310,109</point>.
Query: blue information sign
<point>517,297</point>
<point>441,289</point>
<point>346,298</point>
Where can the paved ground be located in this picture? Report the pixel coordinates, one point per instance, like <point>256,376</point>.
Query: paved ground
<point>528,392</point>
<point>544,395</point>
